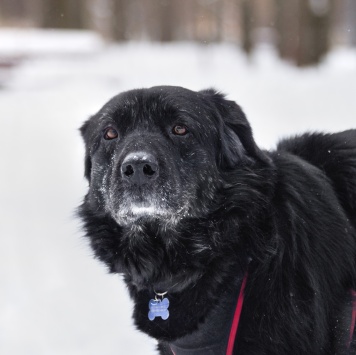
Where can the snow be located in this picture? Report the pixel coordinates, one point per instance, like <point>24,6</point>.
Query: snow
<point>55,298</point>
<point>14,41</point>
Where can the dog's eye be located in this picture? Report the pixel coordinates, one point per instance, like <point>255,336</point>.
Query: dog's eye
<point>110,133</point>
<point>180,130</point>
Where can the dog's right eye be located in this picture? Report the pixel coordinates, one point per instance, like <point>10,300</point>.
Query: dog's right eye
<point>180,130</point>
<point>110,133</point>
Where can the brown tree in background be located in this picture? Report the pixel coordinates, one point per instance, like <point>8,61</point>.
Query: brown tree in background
<point>167,12</point>
<point>119,19</point>
<point>300,29</point>
<point>12,9</point>
<point>208,20</point>
<point>63,13</point>
<point>303,28</point>
<point>247,19</point>
<point>345,19</point>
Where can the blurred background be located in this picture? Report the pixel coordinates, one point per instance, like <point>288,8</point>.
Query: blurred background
<point>291,65</point>
<point>302,31</point>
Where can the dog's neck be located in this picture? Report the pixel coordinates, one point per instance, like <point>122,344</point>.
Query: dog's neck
<point>216,333</point>
<point>196,313</point>
<point>196,286</point>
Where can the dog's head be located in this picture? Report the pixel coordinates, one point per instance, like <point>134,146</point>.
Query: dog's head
<point>161,154</point>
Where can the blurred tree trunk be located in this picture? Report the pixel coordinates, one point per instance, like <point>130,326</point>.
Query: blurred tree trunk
<point>63,13</point>
<point>287,25</point>
<point>303,28</point>
<point>215,10</point>
<point>314,31</point>
<point>247,19</point>
<point>193,10</point>
<point>219,7</point>
<point>12,8</point>
<point>353,22</point>
<point>350,21</point>
<point>167,20</point>
<point>119,19</point>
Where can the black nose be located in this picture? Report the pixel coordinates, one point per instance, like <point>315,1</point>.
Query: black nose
<point>139,168</point>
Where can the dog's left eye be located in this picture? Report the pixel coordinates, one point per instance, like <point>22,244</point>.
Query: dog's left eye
<point>180,130</point>
<point>110,133</point>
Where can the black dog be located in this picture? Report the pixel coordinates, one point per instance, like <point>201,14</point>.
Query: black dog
<point>237,240</point>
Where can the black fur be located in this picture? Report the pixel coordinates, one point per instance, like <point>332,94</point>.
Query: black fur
<point>221,207</point>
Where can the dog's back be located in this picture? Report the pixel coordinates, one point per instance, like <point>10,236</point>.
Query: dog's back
<point>335,154</point>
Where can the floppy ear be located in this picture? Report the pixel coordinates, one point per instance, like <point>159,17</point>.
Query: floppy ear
<point>87,161</point>
<point>237,143</point>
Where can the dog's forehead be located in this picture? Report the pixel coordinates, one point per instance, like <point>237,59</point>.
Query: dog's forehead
<point>157,105</point>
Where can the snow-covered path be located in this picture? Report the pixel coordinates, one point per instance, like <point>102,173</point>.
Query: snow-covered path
<point>55,299</point>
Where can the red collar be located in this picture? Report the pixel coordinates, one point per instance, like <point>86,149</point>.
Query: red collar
<point>353,318</point>
<point>233,329</point>
<point>236,319</point>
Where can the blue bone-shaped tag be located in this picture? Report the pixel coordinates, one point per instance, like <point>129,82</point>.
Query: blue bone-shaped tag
<point>158,308</point>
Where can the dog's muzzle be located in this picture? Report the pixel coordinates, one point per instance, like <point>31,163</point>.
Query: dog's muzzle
<point>139,168</point>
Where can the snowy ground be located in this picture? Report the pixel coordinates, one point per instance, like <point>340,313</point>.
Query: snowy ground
<point>55,299</point>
